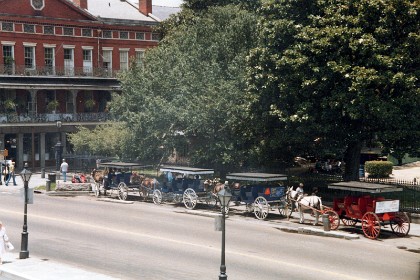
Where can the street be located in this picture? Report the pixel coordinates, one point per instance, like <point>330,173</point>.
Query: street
<point>145,241</point>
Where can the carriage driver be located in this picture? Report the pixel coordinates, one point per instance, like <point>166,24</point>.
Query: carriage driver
<point>299,190</point>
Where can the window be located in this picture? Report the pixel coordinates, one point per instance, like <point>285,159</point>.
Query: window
<point>48,29</point>
<point>68,62</point>
<point>8,59</point>
<point>49,60</point>
<point>29,28</point>
<point>123,35</point>
<point>107,34</point>
<point>140,36</point>
<point>139,56</point>
<point>87,61</point>
<point>155,37</point>
<point>7,26</point>
<point>107,61</point>
<point>29,57</point>
<point>123,60</point>
<point>69,31</point>
<point>86,32</point>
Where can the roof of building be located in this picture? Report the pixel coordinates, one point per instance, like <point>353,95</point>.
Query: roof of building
<point>162,12</point>
<point>128,10</point>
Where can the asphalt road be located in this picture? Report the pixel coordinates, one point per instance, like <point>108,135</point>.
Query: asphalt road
<point>145,241</point>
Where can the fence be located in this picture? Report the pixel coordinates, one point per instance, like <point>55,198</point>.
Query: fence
<point>409,197</point>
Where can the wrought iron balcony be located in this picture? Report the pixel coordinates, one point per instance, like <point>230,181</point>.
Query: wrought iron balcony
<point>54,71</point>
<point>45,118</point>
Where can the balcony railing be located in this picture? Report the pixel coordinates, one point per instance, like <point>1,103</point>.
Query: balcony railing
<point>53,71</point>
<point>45,118</point>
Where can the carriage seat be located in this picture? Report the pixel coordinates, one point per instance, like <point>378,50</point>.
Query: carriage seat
<point>127,177</point>
<point>246,194</point>
<point>338,204</point>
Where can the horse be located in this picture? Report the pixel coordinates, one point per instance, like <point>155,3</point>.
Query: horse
<point>97,175</point>
<point>215,184</point>
<point>148,184</point>
<point>305,202</point>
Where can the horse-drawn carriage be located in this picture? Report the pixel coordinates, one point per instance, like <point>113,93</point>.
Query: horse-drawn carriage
<point>366,204</point>
<point>303,202</point>
<point>259,192</point>
<point>186,184</point>
<point>122,178</point>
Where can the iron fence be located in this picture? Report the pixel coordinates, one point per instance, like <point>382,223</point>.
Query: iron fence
<point>45,118</point>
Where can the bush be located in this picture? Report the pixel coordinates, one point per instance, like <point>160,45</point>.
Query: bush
<point>378,169</point>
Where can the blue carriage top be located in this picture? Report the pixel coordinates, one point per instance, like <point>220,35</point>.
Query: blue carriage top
<point>257,184</point>
<point>187,170</point>
<point>256,177</point>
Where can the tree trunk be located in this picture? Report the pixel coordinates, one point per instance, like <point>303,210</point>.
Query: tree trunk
<point>352,160</point>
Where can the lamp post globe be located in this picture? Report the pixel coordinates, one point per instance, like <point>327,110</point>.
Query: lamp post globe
<point>224,196</point>
<point>26,176</point>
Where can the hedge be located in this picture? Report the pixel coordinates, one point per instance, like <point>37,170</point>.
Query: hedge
<point>378,169</point>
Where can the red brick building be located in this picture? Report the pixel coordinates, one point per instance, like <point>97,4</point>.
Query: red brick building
<point>59,61</point>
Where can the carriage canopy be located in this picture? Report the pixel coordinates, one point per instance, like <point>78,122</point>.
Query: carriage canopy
<point>257,177</point>
<point>364,187</point>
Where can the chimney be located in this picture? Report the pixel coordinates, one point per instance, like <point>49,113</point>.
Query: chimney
<point>81,3</point>
<point>145,6</point>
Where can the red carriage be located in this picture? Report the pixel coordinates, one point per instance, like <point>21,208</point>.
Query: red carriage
<point>366,204</point>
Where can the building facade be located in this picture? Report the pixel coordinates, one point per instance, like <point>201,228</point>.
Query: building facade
<point>59,61</point>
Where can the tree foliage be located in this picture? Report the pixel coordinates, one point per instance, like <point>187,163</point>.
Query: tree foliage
<point>111,139</point>
<point>339,72</point>
<point>189,91</point>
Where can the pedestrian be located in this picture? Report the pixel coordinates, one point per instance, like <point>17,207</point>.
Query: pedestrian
<point>4,242</point>
<point>64,167</point>
<point>6,172</point>
<point>11,174</point>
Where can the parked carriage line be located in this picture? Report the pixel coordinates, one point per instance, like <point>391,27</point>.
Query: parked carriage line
<point>257,193</point>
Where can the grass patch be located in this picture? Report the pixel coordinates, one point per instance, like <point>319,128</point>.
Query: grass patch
<point>43,187</point>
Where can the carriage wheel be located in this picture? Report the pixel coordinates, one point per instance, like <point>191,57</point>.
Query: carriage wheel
<point>400,224</point>
<point>349,222</point>
<point>334,219</point>
<point>371,225</point>
<point>261,208</point>
<point>122,191</point>
<point>97,190</point>
<point>189,198</point>
<point>157,197</point>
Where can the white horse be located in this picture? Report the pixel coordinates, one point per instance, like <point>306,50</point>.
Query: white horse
<point>303,203</point>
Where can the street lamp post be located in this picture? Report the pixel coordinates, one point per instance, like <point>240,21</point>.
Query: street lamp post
<point>224,197</point>
<point>26,176</point>
<point>58,148</point>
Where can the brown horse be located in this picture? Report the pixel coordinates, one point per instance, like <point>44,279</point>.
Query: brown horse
<point>215,184</point>
<point>146,184</point>
<point>97,175</point>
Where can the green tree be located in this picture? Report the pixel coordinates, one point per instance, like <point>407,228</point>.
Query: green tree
<point>189,93</point>
<point>110,139</point>
<point>339,72</point>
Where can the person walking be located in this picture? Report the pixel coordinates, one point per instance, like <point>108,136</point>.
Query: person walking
<point>64,167</point>
<point>11,174</point>
<point>6,172</point>
<point>4,239</point>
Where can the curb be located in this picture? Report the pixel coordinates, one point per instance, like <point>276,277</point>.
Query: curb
<point>112,200</point>
<point>336,234</point>
<point>67,193</point>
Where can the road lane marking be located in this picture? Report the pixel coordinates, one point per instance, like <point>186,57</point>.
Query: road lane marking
<point>144,235</point>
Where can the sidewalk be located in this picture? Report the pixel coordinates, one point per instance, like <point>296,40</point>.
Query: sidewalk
<point>33,268</point>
